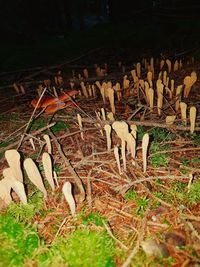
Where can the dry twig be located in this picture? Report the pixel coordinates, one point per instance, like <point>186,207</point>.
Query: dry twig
<point>70,168</point>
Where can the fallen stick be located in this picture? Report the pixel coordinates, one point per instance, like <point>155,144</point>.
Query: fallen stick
<point>126,187</point>
<point>70,168</point>
<point>147,124</point>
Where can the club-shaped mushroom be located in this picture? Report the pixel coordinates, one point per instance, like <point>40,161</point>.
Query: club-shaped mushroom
<point>34,175</point>
<point>13,158</point>
<point>67,191</point>
<point>10,181</point>
<point>121,129</point>
<point>47,164</point>
<point>145,143</point>
<point>193,112</point>
<point>48,143</point>
<point>183,107</point>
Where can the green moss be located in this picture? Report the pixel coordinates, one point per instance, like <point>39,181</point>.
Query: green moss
<point>140,132</point>
<point>160,134</point>
<point>195,161</point>
<point>185,161</point>
<point>183,171</point>
<point>17,242</point>
<point>38,124</point>
<point>82,248</point>
<point>4,144</point>
<point>158,195</point>
<point>41,122</point>
<point>175,194</point>
<point>59,126</point>
<point>142,204</point>
<point>161,159</point>
<point>130,195</point>
<point>25,213</point>
<point>57,169</point>
<point>195,138</point>
<point>156,147</point>
<point>178,193</point>
<point>194,193</point>
<point>95,218</point>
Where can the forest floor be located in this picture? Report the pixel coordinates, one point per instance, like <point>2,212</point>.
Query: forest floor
<point>129,217</point>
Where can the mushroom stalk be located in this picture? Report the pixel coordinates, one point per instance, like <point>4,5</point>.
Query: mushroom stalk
<point>107,129</point>
<point>116,153</point>
<point>123,148</point>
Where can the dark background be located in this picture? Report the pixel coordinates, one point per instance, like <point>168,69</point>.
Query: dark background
<point>42,31</point>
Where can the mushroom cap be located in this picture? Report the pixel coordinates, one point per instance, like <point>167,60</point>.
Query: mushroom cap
<point>44,102</point>
<point>49,100</point>
<point>54,107</point>
<point>187,80</point>
<point>13,158</point>
<point>67,95</point>
<point>60,105</point>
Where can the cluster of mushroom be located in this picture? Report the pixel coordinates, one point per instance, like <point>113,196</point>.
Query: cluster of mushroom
<point>166,86</point>
<point>128,143</point>
<point>100,71</point>
<point>128,139</point>
<point>13,178</point>
<point>88,90</point>
<point>192,116</point>
<point>149,87</point>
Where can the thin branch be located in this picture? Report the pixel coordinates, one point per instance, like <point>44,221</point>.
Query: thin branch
<point>113,237</point>
<point>137,246</point>
<point>70,168</point>
<point>89,189</point>
<point>147,124</point>
<point>31,118</point>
